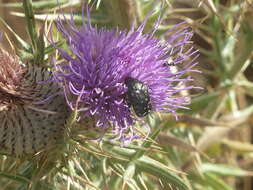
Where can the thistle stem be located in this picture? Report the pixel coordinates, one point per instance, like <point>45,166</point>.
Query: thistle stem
<point>29,15</point>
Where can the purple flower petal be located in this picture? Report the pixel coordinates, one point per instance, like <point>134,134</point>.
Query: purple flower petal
<point>102,59</point>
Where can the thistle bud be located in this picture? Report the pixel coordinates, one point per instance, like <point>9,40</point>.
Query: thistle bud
<point>32,108</point>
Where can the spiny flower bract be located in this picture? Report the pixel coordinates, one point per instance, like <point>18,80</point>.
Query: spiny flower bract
<point>93,74</point>
<point>32,107</point>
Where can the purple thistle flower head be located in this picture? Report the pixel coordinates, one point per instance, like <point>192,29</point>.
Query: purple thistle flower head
<point>94,74</point>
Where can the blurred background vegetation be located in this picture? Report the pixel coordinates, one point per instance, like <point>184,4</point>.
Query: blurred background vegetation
<point>208,148</point>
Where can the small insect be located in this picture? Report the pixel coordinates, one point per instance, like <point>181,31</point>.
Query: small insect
<point>169,63</point>
<point>137,95</point>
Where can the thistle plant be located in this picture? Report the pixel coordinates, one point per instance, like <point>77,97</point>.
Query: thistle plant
<point>108,97</point>
<point>99,74</point>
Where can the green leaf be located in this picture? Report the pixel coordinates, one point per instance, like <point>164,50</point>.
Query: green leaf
<point>153,167</point>
<point>216,182</point>
<point>15,177</point>
<point>129,173</point>
<point>247,47</point>
<point>161,171</point>
<point>200,102</point>
<point>38,4</point>
<point>224,170</point>
<point>147,144</point>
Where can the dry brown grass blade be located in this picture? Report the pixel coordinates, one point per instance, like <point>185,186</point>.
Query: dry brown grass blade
<point>171,140</point>
<point>212,135</point>
<point>190,120</point>
<point>238,146</point>
<point>193,121</point>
